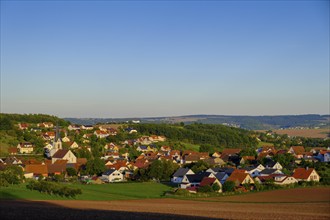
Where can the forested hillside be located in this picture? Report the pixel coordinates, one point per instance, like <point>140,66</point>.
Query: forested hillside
<point>216,135</point>
<point>11,135</point>
<point>8,121</point>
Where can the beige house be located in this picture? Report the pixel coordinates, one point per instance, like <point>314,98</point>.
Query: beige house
<point>64,155</point>
<point>308,174</point>
<point>25,148</point>
<point>65,139</point>
<point>240,177</point>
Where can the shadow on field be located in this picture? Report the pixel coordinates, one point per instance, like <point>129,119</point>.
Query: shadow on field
<point>23,209</point>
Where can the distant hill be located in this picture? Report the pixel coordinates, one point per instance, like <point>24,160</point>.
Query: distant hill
<point>246,122</point>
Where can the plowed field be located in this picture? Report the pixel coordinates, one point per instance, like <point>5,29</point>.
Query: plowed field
<point>307,203</point>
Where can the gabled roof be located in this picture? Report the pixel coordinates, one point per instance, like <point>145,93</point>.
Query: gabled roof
<point>36,169</point>
<point>60,153</point>
<point>302,173</point>
<point>207,181</point>
<point>181,172</point>
<point>231,151</point>
<point>192,157</point>
<point>237,176</point>
<point>197,178</point>
<point>249,168</point>
<point>298,149</point>
<point>56,168</point>
<point>108,172</point>
<point>268,171</point>
<point>269,162</point>
<point>220,176</point>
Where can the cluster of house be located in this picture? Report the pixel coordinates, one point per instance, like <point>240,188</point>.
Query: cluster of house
<point>187,179</point>
<point>120,168</point>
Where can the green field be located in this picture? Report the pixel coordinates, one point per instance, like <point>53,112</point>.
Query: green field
<point>266,144</point>
<point>193,147</point>
<point>116,191</point>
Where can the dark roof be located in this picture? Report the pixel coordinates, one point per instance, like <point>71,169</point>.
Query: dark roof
<point>268,171</point>
<point>181,172</point>
<point>60,153</point>
<point>220,176</point>
<point>218,169</point>
<point>108,172</point>
<point>197,178</point>
<point>270,163</point>
<point>249,168</point>
<point>227,170</point>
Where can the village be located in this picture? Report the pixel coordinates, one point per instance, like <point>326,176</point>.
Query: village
<point>189,170</point>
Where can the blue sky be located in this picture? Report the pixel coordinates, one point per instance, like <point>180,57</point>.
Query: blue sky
<point>165,58</point>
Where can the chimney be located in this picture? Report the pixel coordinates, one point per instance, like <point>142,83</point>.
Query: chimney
<point>306,168</point>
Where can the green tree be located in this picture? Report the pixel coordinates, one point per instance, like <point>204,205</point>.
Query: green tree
<point>200,166</point>
<point>95,166</point>
<point>228,186</point>
<point>71,171</point>
<point>216,187</point>
<point>156,170</point>
<point>12,174</point>
<point>205,189</point>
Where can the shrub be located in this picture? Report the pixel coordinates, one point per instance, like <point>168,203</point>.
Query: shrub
<point>228,186</point>
<point>53,189</point>
<point>205,189</point>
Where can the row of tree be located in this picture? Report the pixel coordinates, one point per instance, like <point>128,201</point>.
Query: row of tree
<point>52,188</point>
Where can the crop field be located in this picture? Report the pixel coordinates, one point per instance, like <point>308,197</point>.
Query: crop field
<point>299,203</point>
<point>308,133</point>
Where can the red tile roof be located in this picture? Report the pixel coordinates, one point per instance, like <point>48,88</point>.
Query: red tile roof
<point>298,149</point>
<point>36,169</point>
<point>207,181</point>
<point>238,175</point>
<point>302,173</point>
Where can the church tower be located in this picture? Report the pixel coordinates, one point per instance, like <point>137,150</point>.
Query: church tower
<point>57,143</point>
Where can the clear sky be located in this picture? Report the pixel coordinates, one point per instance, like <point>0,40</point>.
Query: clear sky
<point>164,58</point>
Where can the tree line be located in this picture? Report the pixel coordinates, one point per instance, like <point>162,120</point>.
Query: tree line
<point>217,135</point>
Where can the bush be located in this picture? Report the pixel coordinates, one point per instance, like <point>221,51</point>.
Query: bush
<point>216,187</point>
<point>228,186</point>
<point>205,189</point>
<point>182,192</point>
<point>53,189</point>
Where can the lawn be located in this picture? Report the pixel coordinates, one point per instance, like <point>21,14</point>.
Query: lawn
<point>116,191</point>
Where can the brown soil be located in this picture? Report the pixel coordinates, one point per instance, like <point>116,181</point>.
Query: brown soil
<point>297,195</point>
<point>307,203</point>
<point>309,133</point>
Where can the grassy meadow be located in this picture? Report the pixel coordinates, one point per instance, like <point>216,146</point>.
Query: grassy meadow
<point>115,191</point>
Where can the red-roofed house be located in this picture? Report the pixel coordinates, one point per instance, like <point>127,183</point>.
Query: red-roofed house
<point>240,177</point>
<point>101,134</point>
<point>23,126</point>
<point>37,169</point>
<point>297,151</point>
<point>209,181</point>
<point>308,174</point>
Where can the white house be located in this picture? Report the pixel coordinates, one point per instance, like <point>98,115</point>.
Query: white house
<point>113,175</point>
<point>179,174</point>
